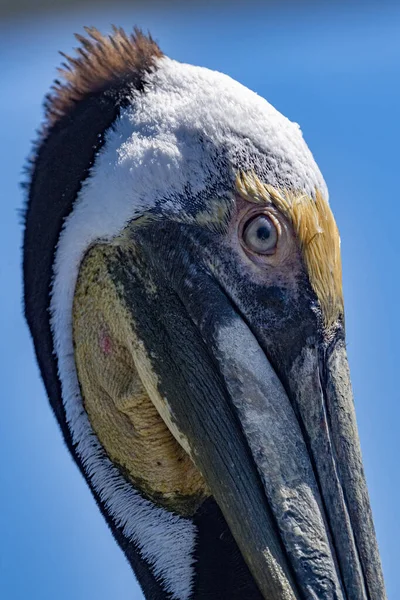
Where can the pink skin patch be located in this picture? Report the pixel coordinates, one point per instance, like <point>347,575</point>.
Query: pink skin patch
<point>105,343</point>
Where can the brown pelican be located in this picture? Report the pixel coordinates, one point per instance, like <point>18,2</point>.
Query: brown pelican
<point>183,289</point>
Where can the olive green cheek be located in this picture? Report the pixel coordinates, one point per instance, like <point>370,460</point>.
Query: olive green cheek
<point>125,420</point>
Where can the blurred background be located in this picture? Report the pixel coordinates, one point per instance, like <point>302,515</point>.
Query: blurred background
<point>332,67</point>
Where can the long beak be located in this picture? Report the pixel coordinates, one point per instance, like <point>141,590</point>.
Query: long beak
<point>276,443</point>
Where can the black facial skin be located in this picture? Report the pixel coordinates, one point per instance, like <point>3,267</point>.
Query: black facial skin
<point>198,287</point>
<point>204,412</point>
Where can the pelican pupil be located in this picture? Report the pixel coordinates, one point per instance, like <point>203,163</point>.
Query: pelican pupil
<point>263,232</point>
<point>260,235</point>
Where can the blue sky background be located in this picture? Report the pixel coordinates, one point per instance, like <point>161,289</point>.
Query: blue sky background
<point>336,71</point>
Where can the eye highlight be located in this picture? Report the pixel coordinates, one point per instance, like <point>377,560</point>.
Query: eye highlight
<point>260,235</point>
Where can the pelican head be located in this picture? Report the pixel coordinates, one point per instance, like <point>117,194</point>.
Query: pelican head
<point>183,289</point>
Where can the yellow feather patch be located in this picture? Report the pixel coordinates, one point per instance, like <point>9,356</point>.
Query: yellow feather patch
<point>317,232</point>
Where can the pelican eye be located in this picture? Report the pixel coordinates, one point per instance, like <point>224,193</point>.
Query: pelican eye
<point>260,235</point>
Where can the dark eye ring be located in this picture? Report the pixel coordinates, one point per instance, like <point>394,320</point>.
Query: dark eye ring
<point>260,235</point>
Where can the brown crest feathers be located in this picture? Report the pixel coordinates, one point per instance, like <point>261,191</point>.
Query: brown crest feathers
<point>101,61</point>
